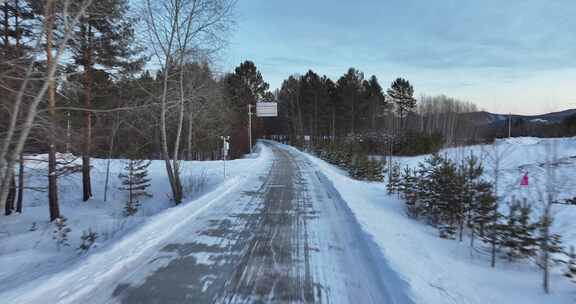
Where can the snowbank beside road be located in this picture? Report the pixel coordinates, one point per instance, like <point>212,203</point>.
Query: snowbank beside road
<point>33,270</point>
<point>445,271</point>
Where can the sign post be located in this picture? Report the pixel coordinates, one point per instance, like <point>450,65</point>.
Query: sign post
<point>263,109</point>
<point>267,109</point>
<point>250,125</point>
<point>225,149</point>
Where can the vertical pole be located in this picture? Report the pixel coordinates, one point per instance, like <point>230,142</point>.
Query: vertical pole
<point>509,125</point>
<point>224,154</point>
<point>225,147</point>
<point>250,126</point>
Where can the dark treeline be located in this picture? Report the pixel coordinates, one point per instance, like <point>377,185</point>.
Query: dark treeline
<point>389,119</point>
<point>524,126</point>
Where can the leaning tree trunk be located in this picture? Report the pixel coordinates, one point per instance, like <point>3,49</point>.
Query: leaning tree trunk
<point>175,159</point>
<point>9,207</point>
<point>164,136</point>
<point>19,201</point>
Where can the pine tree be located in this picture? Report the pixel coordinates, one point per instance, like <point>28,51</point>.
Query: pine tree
<point>135,181</point>
<point>246,86</point>
<point>402,94</point>
<point>375,97</point>
<point>349,88</point>
<point>393,178</point>
<point>105,39</point>
<point>16,26</point>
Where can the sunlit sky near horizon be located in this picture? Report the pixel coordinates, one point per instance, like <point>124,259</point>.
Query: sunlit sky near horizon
<point>506,56</point>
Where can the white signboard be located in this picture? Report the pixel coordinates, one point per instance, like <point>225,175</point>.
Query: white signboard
<point>226,148</point>
<point>266,109</point>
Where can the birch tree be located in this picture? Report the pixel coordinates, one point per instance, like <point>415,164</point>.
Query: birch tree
<point>178,31</point>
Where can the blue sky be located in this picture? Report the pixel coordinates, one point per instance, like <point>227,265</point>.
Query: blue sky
<point>506,55</point>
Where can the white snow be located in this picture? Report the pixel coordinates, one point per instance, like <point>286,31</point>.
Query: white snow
<point>446,271</point>
<point>437,270</point>
<point>33,269</point>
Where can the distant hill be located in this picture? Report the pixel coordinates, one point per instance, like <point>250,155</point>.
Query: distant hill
<point>484,118</point>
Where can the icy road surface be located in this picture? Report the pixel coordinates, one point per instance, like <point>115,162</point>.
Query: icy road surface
<point>285,237</point>
<point>293,240</point>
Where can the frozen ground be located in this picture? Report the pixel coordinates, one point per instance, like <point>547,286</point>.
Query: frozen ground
<point>445,271</point>
<point>284,227</point>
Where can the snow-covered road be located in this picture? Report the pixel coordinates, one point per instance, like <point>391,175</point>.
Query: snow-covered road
<point>292,240</point>
<point>287,236</point>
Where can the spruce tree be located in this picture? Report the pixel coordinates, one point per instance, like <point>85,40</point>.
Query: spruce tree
<point>508,230</point>
<point>483,212</point>
<point>518,232</point>
<point>358,166</point>
<point>487,223</point>
<point>525,232</point>
<point>470,171</point>
<point>376,170</point>
<point>442,189</point>
<point>547,243</point>
<point>409,192</point>
<point>449,204</point>
<point>393,178</point>
<point>135,181</point>
<point>427,186</point>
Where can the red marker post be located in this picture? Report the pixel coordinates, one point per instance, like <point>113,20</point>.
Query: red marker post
<point>524,181</point>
